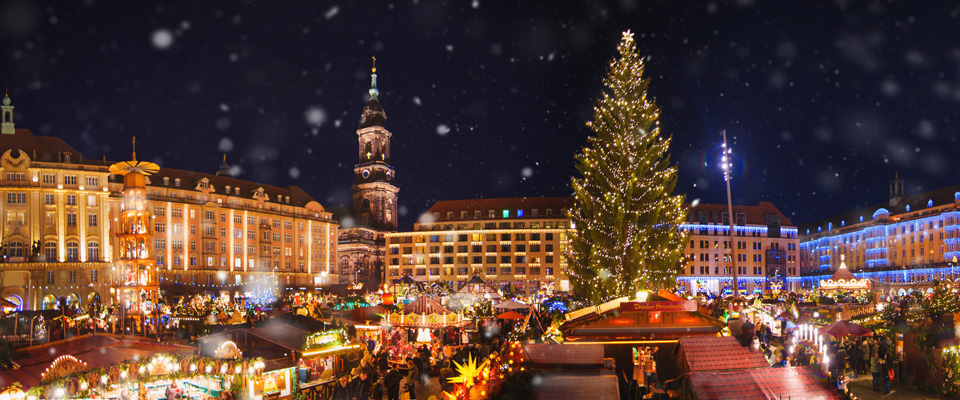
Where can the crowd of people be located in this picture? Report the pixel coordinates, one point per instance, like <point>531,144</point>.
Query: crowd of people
<point>376,375</point>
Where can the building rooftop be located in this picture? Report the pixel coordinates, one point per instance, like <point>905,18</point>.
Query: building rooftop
<point>917,204</point>
<point>556,205</point>
<point>55,150</point>
<point>755,215</point>
<point>43,148</point>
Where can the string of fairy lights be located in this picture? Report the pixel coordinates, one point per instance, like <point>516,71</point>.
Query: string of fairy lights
<point>625,219</point>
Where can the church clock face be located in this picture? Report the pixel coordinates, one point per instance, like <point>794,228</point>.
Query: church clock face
<point>365,173</point>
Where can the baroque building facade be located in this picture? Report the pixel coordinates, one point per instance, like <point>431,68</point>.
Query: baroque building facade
<point>765,249</point>
<point>209,232</point>
<point>373,211</point>
<point>905,240</point>
<point>517,245</point>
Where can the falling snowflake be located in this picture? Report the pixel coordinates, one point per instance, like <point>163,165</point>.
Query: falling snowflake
<point>315,116</point>
<point>527,172</point>
<point>294,172</point>
<point>332,12</point>
<point>443,129</point>
<point>225,145</point>
<point>416,100</point>
<point>162,39</point>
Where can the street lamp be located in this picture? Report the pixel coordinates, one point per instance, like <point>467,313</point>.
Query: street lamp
<point>726,165</point>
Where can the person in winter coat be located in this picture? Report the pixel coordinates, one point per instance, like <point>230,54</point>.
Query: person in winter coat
<point>865,356</point>
<point>343,390</point>
<point>841,359</point>
<point>392,384</point>
<point>363,385</point>
<point>446,373</point>
<point>854,355</point>
<point>413,373</point>
<point>875,368</point>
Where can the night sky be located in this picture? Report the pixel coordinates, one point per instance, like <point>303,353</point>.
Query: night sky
<point>824,100</point>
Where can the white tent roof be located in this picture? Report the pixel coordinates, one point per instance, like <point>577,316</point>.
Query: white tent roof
<point>511,305</point>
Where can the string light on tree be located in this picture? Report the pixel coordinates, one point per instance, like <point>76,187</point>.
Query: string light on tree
<point>626,235</point>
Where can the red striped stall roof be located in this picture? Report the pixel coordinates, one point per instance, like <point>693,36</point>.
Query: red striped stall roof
<point>762,384</point>
<point>425,306</point>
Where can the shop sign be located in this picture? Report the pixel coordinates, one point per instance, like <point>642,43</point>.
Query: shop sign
<point>634,306</point>
<point>324,338</point>
<point>686,320</point>
<point>622,321</point>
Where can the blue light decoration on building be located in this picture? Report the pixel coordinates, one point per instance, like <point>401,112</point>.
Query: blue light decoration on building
<point>894,276</point>
<point>861,218</point>
<point>929,203</point>
<point>956,196</point>
<point>875,239</point>
<point>760,230</point>
<point>881,211</point>
<point>519,213</point>
<point>908,208</point>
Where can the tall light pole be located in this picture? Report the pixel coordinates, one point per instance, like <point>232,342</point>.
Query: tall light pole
<point>727,166</point>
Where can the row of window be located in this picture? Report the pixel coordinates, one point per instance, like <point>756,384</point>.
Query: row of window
<point>72,277</point>
<point>493,214</point>
<point>17,248</point>
<point>477,248</point>
<point>474,237</point>
<point>49,199</point>
<point>18,218</point>
<point>52,179</point>
<point>237,262</point>
<point>449,271</point>
<point>503,259</point>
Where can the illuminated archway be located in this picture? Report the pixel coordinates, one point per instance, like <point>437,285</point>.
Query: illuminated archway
<point>15,300</point>
<point>49,302</point>
<point>73,300</point>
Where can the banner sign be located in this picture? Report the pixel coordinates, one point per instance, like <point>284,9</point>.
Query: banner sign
<point>634,306</point>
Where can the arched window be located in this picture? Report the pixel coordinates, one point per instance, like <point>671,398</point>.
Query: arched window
<point>72,251</point>
<point>49,302</point>
<point>15,249</point>
<point>50,251</point>
<point>73,300</point>
<point>16,300</point>
<point>93,251</point>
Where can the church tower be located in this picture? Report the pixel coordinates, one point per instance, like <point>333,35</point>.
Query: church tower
<point>6,113</point>
<point>374,190</point>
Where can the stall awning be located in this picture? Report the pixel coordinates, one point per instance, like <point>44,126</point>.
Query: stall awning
<point>700,354</point>
<point>761,384</point>
<point>424,306</point>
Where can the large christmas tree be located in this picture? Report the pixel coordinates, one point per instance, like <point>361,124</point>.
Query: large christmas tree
<point>625,216</point>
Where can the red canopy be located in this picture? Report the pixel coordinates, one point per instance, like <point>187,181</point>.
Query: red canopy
<point>511,315</point>
<point>845,328</point>
<point>368,313</point>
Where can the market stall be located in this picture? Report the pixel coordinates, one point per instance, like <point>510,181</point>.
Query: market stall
<point>191,377</point>
<point>326,354</point>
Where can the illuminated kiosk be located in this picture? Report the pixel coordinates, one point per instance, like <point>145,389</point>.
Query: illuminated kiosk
<point>136,281</point>
<point>638,333</point>
<point>844,280</point>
